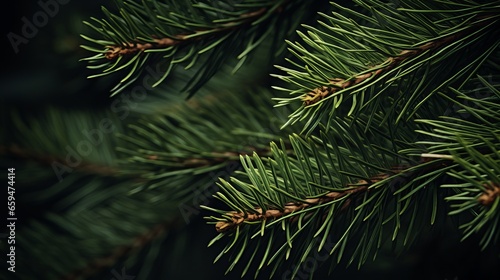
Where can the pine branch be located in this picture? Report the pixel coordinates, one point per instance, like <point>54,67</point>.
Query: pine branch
<point>200,139</point>
<point>136,244</point>
<point>245,19</point>
<point>54,139</point>
<point>310,193</point>
<point>86,223</point>
<point>179,164</point>
<point>305,196</point>
<point>85,213</point>
<point>16,151</point>
<point>470,138</point>
<point>239,218</point>
<point>211,158</point>
<point>308,222</point>
<point>336,77</point>
<point>353,190</point>
<point>203,38</point>
<point>338,84</point>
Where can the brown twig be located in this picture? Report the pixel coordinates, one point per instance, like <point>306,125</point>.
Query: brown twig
<point>362,186</point>
<point>491,193</point>
<point>238,218</point>
<point>131,48</point>
<point>338,84</point>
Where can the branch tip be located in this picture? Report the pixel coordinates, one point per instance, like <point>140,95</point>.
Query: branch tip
<point>492,192</point>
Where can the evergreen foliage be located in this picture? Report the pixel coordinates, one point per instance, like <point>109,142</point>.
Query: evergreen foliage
<point>379,128</point>
<point>188,33</point>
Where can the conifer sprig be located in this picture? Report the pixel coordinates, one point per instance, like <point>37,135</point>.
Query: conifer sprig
<point>396,116</point>
<point>471,139</point>
<point>359,56</point>
<point>129,48</point>
<point>297,203</point>
<point>201,37</point>
<point>15,151</point>
<point>239,218</point>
